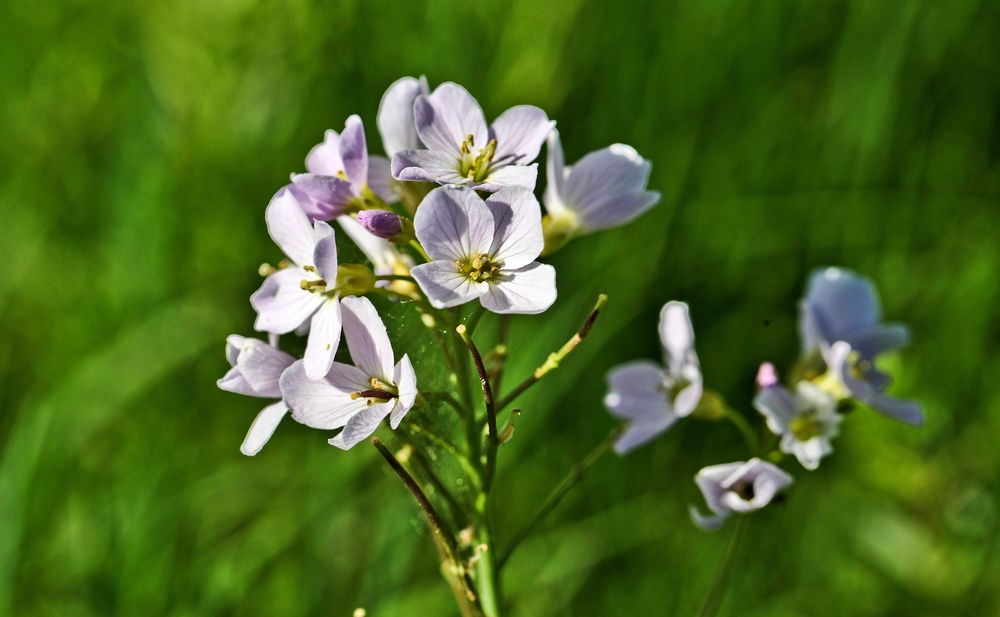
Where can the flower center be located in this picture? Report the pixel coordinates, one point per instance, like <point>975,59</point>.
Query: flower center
<point>474,164</point>
<point>380,392</point>
<point>805,426</point>
<point>479,268</point>
<point>744,489</point>
<point>317,285</point>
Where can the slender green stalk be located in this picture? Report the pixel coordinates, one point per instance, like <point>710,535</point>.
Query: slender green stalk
<point>463,460</point>
<point>741,424</point>
<point>574,477</point>
<point>501,350</point>
<point>554,359</point>
<point>716,593</point>
<point>473,321</point>
<point>492,436</point>
<point>395,277</point>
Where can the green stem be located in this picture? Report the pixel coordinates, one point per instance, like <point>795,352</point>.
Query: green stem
<point>741,424</point>
<point>717,592</point>
<point>492,436</point>
<point>554,359</point>
<point>395,277</point>
<point>477,314</point>
<point>574,477</point>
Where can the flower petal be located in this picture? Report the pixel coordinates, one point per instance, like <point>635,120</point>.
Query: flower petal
<point>555,175</point>
<point>838,305</point>
<point>444,285</point>
<point>604,174</point>
<point>453,224</point>
<point>880,339</point>
<point>380,178</point>
<point>707,522</point>
<point>904,411</point>
<point>517,222</point>
<point>510,175</point>
<point>281,303</point>
<point>261,365</point>
<point>367,339</point>
<point>234,343</point>
<point>289,227</point>
<point>447,116</point>
<point>325,254</point>
<point>354,153</point>
<point>321,197</point>
<point>263,427</point>
<point>324,159</point>
<point>324,338</point>
<point>677,338</point>
<point>426,166</point>
<point>361,426</point>
<point>640,433</point>
<point>778,407</point>
<point>234,381</point>
<point>528,290</point>
<point>520,132</point>
<point>406,382</point>
<point>323,403</point>
<point>395,115</point>
<point>635,392</point>
<point>615,210</point>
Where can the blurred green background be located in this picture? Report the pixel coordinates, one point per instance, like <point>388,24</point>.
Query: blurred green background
<point>142,141</point>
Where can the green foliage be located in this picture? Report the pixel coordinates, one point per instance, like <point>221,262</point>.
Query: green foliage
<point>142,141</point>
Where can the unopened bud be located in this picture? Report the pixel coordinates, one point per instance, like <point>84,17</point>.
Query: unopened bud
<point>767,376</point>
<point>386,225</point>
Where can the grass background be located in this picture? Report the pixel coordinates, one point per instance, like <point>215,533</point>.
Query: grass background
<point>142,140</point>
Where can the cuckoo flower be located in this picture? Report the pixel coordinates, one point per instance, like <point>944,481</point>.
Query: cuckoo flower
<point>650,397</point>
<point>341,176</point>
<point>736,488</point>
<point>395,115</point>
<point>461,149</point>
<point>841,323</point>
<point>806,420</point>
<point>303,293</point>
<point>356,398</point>
<point>483,250</point>
<point>256,368</point>
<point>605,188</point>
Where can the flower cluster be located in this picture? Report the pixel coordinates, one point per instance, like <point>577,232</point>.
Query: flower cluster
<point>842,335</point>
<point>448,216</point>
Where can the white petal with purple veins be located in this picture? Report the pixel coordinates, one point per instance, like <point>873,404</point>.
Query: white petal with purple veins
<point>263,427</point>
<point>510,175</point>
<point>324,338</point>
<point>527,290</point>
<point>367,338</point>
<point>406,382</point>
<point>354,153</point>
<point>395,115</point>
<point>426,166</point>
<point>520,132</point>
<point>289,227</point>
<point>444,285</point>
<point>281,304</point>
<point>324,159</point>
<point>517,221</point>
<point>453,224</point>
<point>324,403</point>
<point>447,116</point>
<point>361,426</point>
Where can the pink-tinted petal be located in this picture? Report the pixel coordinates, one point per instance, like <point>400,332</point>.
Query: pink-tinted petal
<point>528,290</point>
<point>281,303</point>
<point>426,166</point>
<point>367,339</point>
<point>453,224</point>
<point>406,382</point>
<point>517,222</point>
<point>447,116</point>
<point>444,285</point>
<point>289,227</point>
<point>321,197</point>
<point>361,426</point>
<point>354,153</point>
<point>510,175</point>
<point>323,403</point>
<point>395,115</point>
<point>324,159</point>
<point>263,427</point>
<point>324,338</point>
<point>325,253</point>
<point>520,132</point>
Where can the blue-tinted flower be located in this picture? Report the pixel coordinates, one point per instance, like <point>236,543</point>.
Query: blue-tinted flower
<point>806,420</point>
<point>841,323</point>
<point>737,488</point>
<point>256,368</point>
<point>650,397</point>
<point>342,176</point>
<point>483,250</point>
<point>459,147</point>
<point>605,188</point>
<point>303,294</point>
<point>356,398</point>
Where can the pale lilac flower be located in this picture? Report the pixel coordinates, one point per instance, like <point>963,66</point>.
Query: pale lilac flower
<point>605,188</point>
<point>256,368</point>
<point>841,322</point>
<point>737,488</point>
<point>381,223</point>
<point>461,149</point>
<point>483,250</point>
<point>342,176</point>
<point>806,420</point>
<point>650,397</point>
<point>303,294</point>
<point>357,397</point>
<point>395,115</point>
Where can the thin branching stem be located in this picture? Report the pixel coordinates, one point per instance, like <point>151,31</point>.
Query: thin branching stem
<point>570,480</point>
<point>492,436</point>
<point>717,592</point>
<point>554,359</point>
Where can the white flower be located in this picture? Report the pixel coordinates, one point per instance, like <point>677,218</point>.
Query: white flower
<point>806,420</point>
<point>395,114</point>
<point>736,488</point>
<point>651,397</point>
<point>256,368</point>
<point>304,293</point>
<point>606,188</point>
<point>357,397</point>
<point>483,250</point>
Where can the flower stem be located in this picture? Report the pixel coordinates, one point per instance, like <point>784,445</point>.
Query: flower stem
<point>574,477</point>
<point>492,437</point>
<point>717,592</point>
<point>395,277</point>
<point>554,359</point>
